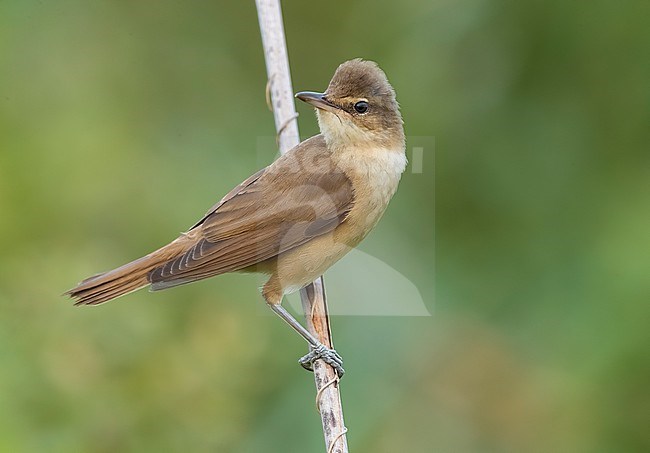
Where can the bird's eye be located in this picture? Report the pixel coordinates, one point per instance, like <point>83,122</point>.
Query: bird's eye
<point>361,107</point>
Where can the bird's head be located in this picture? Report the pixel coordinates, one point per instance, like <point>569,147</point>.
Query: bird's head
<point>358,108</point>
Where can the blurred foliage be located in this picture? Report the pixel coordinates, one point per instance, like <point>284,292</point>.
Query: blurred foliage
<point>122,122</point>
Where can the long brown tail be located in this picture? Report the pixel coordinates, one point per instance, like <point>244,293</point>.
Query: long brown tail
<point>125,279</point>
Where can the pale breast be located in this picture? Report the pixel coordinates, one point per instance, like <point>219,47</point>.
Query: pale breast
<point>375,175</point>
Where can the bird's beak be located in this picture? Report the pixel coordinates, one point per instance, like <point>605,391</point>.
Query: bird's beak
<point>318,100</point>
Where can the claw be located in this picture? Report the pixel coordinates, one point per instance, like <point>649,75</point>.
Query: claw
<point>329,356</point>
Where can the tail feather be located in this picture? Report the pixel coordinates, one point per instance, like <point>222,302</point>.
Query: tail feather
<point>125,279</point>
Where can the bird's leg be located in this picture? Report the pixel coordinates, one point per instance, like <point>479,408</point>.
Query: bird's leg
<point>317,349</point>
<point>329,356</point>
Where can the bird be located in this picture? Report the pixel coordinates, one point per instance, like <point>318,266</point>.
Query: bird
<point>298,216</point>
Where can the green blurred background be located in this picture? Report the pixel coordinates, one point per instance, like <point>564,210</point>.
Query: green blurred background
<point>122,122</point>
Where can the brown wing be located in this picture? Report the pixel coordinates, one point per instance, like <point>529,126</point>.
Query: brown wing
<point>300,196</point>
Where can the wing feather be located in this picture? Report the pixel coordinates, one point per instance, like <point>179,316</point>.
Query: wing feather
<point>287,204</point>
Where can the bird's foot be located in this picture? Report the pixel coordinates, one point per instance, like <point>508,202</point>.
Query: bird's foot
<point>329,356</point>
